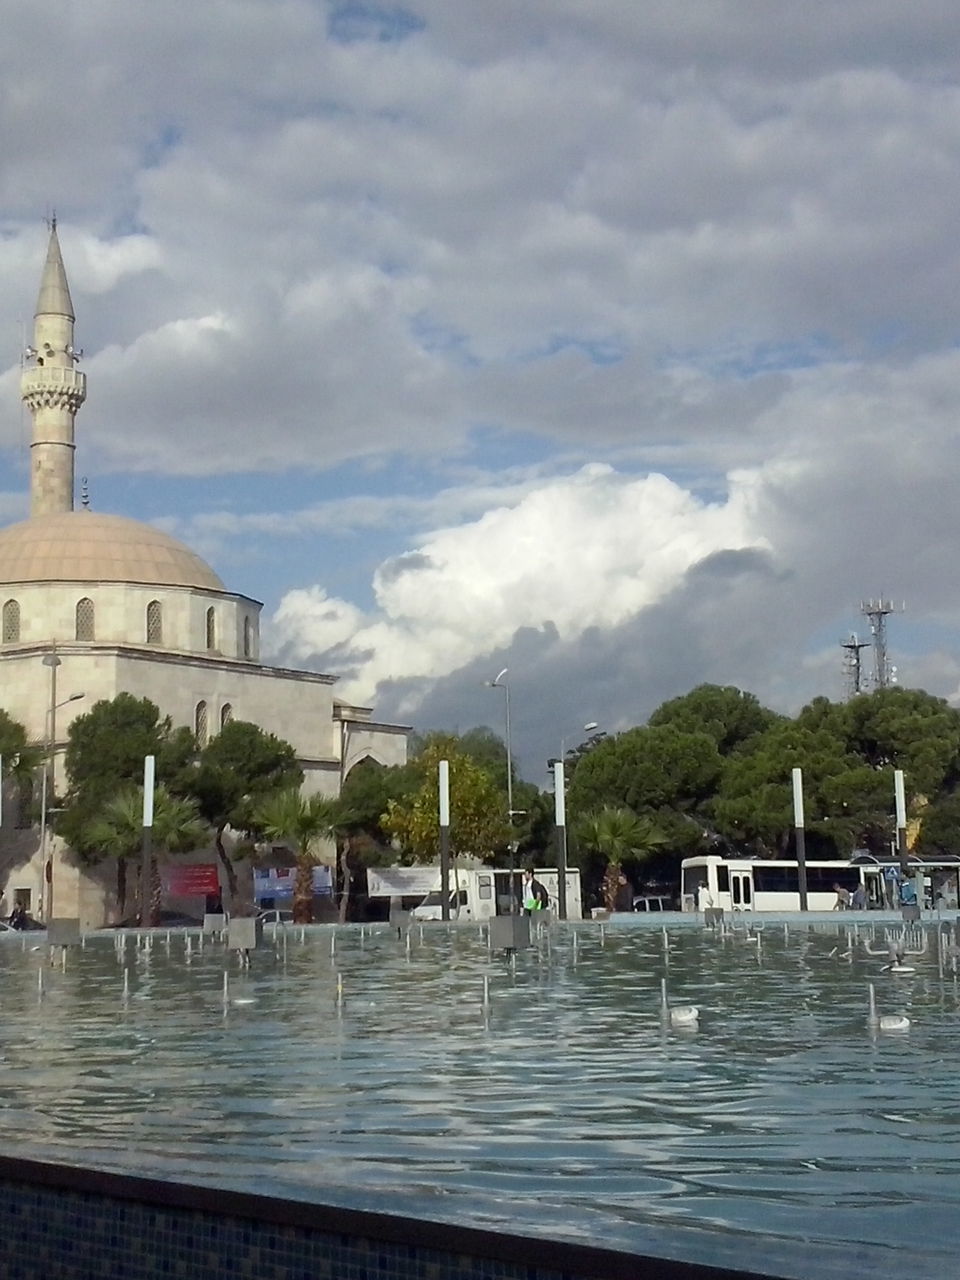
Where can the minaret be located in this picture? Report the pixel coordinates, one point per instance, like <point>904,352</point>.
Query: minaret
<point>52,389</point>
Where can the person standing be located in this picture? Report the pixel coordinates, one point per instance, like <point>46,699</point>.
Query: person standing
<point>533,895</point>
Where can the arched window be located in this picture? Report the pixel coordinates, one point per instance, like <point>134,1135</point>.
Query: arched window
<point>85,619</point>
<point>226,714</point>
<point>11,622</point>
<point>154,622</point>
<point>211,628</point>
<point>200,727</point>
<point>247,638</point>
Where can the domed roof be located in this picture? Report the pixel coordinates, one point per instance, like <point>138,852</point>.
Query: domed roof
<point>86,546</point>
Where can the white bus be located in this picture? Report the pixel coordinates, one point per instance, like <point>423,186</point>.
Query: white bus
<point>773,884</point>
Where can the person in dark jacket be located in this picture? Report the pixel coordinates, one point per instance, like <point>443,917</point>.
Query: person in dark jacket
<point>533,896</point>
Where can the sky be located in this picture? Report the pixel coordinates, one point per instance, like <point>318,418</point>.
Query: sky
<point>612,343</point>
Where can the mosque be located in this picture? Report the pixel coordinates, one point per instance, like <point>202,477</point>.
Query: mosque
<point>94,605</point>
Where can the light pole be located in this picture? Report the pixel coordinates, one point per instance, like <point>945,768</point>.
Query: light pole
<point>559,790</point>
<point>48,779</point>
<point>501,683</point>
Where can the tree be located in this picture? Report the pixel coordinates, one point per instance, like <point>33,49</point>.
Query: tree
<point>302,823</point>
<point>843,799</point>
<point>236,772</point>
<point>729,715</point>
<point>646,769</point>
<point>117,832</point>
<point>366,792</point>
<point>617,834</point>
<point>105,753</point>
<point>477,810</point>
<point>906,729</point>
<point>20,757</point>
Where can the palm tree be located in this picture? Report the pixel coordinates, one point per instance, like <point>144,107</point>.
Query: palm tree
<point>118,833</point>
<point>302,823</point>
<point>617,834</point>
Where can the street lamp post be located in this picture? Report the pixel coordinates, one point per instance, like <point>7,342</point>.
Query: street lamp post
<point>501,683</point>
<point>559,788</point>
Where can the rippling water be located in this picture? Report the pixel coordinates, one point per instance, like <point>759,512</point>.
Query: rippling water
<point>563,1107</point>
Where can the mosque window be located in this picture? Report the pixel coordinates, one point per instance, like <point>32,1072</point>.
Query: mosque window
<point>200,727</point>
<point>11,622</point>
<point>154,622</point>
<point>211,629</point>
<point>226,715</point>
<point>247,638</point>
<point>85,619</point>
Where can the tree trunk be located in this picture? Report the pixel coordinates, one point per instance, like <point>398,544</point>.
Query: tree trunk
<point>345,872</point>
<point>121,889</point>
<point>227,865</point>
<point>611,881</point>
<point>156,892</point>
<point>303,893</point>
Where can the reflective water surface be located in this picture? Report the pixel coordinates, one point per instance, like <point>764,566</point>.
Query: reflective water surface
<point>784,1132</point>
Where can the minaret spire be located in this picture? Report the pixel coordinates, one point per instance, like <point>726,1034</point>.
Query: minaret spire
<point>52,388</point>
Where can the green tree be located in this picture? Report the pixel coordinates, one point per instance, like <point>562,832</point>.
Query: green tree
<point>906,729</point>
<point>843,799</point>
<point>235,774</point>
<point>21,758</point>
<point>477,810</point>
<point>105,752</point>
<point>617,834</point>
<point>646,769</point>
<point>729,715</point>
<point>303,823</point>
<point>117,832</point>
<point>366,792</point>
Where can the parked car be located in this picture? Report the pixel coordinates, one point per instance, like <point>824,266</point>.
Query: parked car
<point>274,916</point>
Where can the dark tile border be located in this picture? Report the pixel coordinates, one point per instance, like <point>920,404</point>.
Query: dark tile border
<point>536,1253</point>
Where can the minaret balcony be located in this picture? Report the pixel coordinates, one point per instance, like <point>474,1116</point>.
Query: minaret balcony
<point>53,386</point>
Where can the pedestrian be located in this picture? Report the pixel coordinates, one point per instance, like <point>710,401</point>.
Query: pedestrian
<point>843,898</point>
<point>533,895</point>
<point>858,899</point>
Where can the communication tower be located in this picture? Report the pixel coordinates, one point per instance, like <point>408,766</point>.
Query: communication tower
<point>877,611</point>
<point>854,681</point>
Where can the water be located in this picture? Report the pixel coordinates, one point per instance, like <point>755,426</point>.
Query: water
<point>564,1107</point>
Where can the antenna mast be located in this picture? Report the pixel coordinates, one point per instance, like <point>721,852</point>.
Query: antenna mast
<point>852,665</point>
<point>877,611</point>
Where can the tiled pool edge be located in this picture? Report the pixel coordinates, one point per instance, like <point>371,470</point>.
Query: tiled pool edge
<point>60,1222</point>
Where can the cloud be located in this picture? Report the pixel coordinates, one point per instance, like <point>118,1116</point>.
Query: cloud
<point>644,317</point>
<point>585,551</point>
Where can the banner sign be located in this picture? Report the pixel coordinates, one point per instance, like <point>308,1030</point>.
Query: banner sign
<point>402,882</point>
<point>278,882</point>
<point>195,880</point>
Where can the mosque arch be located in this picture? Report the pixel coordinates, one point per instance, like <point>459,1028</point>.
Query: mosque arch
<point>201,727</point>
<point>226,715</point>
<point>211,627</point>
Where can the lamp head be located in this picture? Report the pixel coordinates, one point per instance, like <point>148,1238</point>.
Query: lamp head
<point>590,726</point>
<point>500,676</point>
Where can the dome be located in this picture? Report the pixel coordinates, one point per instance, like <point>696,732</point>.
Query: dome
<point>86,546</point>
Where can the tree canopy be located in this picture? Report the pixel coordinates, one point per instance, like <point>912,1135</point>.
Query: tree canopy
<point>105,753</point>
<point>478,816</point>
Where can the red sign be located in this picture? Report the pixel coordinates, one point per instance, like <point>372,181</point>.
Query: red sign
<point>191,881</point>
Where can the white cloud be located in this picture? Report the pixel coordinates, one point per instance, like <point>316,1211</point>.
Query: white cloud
<point>589,551</point>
